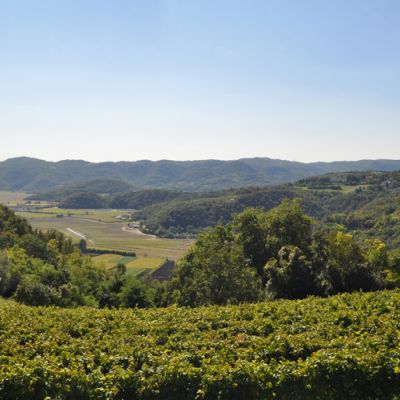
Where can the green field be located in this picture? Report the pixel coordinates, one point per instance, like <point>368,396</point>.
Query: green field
<point>134,266</point>
<point>95,215</point>
<point>29,215</point>
<point>113,236</point>
<point>111,260</point>
<point>143,264</point>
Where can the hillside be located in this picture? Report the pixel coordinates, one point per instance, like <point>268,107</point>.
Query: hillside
<point>365,203</point>
<point>343,347</point>
<point>33,175</point>
<point>98,186</point>
<point>131,200</point>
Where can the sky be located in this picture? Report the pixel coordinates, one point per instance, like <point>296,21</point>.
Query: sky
<point>310,80</point>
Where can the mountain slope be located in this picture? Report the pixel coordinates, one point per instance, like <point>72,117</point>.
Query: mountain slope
<point>366,204</point>
<point>32,175</point>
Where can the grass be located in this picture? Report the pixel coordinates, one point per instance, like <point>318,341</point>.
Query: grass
<point>139,265</point>
<point>111,260</point>
<point>12,198</point>
<point>33,215</point>
<point>351,189</point>
<point>105,235</point>
<point>134,266</point>
<point>102,215</point>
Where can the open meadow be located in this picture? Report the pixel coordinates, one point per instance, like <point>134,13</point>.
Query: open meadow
<point>12,198</point>
<point>134,266</point>
<point>103,215</point>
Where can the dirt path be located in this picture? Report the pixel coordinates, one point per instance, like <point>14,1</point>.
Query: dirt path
<point>138,232</point>
<point>79,234</point>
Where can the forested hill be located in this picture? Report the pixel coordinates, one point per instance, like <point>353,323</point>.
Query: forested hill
<point>31,174</point>
<point>364,203</point>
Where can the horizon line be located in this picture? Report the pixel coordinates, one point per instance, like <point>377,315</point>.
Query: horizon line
<point>200,160</point>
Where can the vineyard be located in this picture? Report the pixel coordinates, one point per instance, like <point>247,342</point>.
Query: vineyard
<point>343,347</point>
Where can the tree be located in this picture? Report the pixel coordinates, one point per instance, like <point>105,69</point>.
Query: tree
<point>375,253</point>
<point>290,275</point>
<point>135,293</point>
<point>82,245</point>
<point>215,272</point>
<point>33,245</point>
<point>251,237</point>
<point>30,291</point>
<point>347,268</point>
<point>287,225</point>
<point>120,269</point>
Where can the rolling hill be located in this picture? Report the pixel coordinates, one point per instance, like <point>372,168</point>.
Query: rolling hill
<point>32,175</point>
<point>366,204</point>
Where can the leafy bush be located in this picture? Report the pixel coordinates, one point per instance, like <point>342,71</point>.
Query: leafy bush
<point>135,293</point>
<point>31,291</point>
<point>343,347</point>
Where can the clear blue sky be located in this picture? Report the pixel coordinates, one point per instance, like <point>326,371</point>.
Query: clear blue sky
<point>194,79</point>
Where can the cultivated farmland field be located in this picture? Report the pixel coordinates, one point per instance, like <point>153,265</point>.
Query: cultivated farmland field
<point>114,235</point>
<point>102,215</point>
<point>12,198</point>
<point>143,264</point>
<point>134,266</point>
<point>111,260</point>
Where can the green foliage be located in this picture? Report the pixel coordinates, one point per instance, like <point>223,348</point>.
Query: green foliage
<point>99,186</point>
<point>178,218</point>
<point>349,267</point>
<point>31,291</point>
<point>144,198</point>
<point>30,174</point>
<point>82,246</point>
<point>215,272</point>
<point>40,268</point>
<point>250,236</point>
<point>11,225</point>
<point>287,224</point>
<point>343,347</point>
<point>367,206</point>
<point>83,200</point>
<point>291,275</point>
<point>135,293</point>
<point>276,250</point>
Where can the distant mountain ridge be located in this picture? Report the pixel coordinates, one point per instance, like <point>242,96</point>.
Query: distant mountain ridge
<point>30,174</point>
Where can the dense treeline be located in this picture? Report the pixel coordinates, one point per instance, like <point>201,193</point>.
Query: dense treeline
<point>42,268</point>
<point>277,254</point>
<point>364,203</point>
<point>97,186</point>
<point>178,218</point>
<point>368,211</point>
<point>344,347</point>
<point>260,254</point>
<point>129,200</point>
<point>143,198</point>
<point>334,180</point>
<point>84,200</point>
